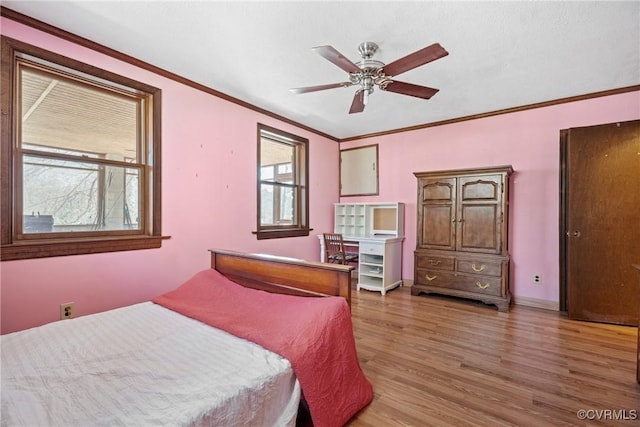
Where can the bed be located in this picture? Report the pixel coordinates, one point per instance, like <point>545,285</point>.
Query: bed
<point>205,353</point>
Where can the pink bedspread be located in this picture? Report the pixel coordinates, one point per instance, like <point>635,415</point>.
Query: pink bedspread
<point>314,334</point>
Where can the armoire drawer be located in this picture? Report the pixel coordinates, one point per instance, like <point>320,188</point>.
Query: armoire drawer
<point>434,278</point>
<point>480,266</point>
<point>476,284</point>
<point>435,262</point>
<point>479,284</point>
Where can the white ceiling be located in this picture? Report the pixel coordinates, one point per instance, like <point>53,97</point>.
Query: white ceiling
<point>501,54</point>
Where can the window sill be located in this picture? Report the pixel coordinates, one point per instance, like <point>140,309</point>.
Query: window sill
<point>52,248</point>
<point>276,234</point>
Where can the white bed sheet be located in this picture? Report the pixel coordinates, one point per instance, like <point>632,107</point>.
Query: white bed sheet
<point>142,365</point>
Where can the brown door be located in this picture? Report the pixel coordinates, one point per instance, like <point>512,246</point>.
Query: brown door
<point>602,235</point>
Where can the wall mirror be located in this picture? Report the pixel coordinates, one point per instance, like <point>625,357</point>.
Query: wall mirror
<point>359,171</point>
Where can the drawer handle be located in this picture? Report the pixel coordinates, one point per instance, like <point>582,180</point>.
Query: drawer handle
<point>476,269</point>
<point>481,286</point>
<point>435,261</point>
<point>430,278</point>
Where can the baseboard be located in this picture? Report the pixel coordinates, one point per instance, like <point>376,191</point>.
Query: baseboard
<point>524,301</point>
<point>536,303</point>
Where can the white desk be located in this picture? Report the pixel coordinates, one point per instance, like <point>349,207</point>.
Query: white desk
<point>379,261</point>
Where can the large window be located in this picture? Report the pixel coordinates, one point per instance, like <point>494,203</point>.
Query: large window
<point>80,157</point>
<point>282,184</point>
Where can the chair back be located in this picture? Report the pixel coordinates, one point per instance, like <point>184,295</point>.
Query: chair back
<point>333,246</point>
<point>334,250</point>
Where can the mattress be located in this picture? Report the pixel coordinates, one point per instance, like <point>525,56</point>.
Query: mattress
<point>142,365</point>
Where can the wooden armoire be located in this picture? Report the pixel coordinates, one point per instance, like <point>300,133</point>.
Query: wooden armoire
<point>461,247</point>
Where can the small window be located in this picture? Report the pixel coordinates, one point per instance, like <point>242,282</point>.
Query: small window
<point>83,155</point>
<point>282,184</point>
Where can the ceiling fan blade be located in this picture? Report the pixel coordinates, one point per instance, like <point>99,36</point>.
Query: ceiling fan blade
<point>337,58</point>
<point>411,89</point>
<point>357,106</point>
<point>320,87</point>
<point>415,59</point>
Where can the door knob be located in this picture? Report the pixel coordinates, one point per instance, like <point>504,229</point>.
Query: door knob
<point>576,233</point>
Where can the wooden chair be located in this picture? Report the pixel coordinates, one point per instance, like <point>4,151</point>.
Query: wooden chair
<point>334,250</point>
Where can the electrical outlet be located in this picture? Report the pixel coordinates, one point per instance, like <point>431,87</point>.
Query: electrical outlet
<point>537,279</point>
<point>66,311</point>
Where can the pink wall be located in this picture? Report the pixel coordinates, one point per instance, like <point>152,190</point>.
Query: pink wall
<point>209,156</point>
<point>527,140</point>
<point>208,201</point>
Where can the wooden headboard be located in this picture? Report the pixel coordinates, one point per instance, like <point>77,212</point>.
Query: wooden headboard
<point>284,275</point>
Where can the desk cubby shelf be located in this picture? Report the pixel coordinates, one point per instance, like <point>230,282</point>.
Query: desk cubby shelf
<point>350,219</point>
<point>369,219</point>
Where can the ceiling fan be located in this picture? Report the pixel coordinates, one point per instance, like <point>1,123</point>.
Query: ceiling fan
<point>369,73</point>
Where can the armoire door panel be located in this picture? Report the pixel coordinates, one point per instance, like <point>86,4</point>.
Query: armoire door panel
<point>480,214</point>
<point>438,228</point>
<point>479,229</point>
<point>481,189</point>
<point>443,190</point>
<point>438,213</point>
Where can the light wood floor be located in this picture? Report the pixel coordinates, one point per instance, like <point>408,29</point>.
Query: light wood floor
<point>439,361</point>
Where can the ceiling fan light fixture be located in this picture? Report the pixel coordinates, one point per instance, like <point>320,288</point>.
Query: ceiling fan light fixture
<point>367,49</point>
<point>369,73</point>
